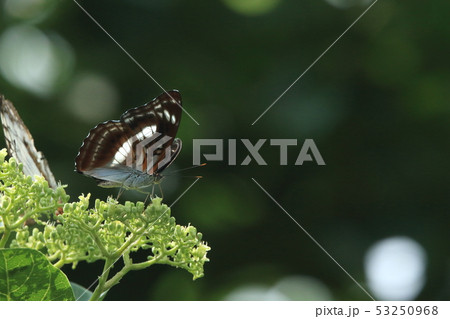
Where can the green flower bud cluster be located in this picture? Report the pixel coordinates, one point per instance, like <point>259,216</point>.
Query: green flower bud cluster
<point>68,233</point>
<point>23,200</point>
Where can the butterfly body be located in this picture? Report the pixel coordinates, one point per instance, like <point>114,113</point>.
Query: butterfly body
<point>132,152</point>
<point>123,177</point>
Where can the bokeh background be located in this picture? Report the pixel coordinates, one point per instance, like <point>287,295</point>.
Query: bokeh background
<point>377,106</point>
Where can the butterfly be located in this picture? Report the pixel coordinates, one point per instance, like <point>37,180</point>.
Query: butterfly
<point>132,152</point>
<point>20,144</point>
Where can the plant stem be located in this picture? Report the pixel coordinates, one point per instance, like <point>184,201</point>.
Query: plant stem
<point>60,263</point>
<point>5,237</point>
<point>129,266</point>
<point>100,289</point>
<point>93,233</point>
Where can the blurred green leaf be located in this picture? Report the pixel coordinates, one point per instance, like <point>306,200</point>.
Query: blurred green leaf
<point>27,275</point>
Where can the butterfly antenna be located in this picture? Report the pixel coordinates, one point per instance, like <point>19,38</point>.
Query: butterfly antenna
<point>192,176</point>
<point>184,169</point>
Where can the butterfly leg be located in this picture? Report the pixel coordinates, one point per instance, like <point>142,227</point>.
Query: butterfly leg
<point>153,191</point>
<point>160,189</point>
<point>147,198</point>
<point>120,193</point>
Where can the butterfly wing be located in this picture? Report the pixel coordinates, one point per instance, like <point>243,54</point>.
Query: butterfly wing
<point>115,152</point>
<point>102,145</point>
<point>175,149</point>
<point>20,144</point>
<point>154,126</point>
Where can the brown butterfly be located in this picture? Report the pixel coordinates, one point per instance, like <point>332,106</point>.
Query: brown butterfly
<point>132,152</point>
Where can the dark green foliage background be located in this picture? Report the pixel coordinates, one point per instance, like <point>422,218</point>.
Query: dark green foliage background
<point>377,106</point>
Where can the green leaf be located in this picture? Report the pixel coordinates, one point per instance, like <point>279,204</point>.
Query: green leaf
<point>26,274</point>
<point>81,294</point>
